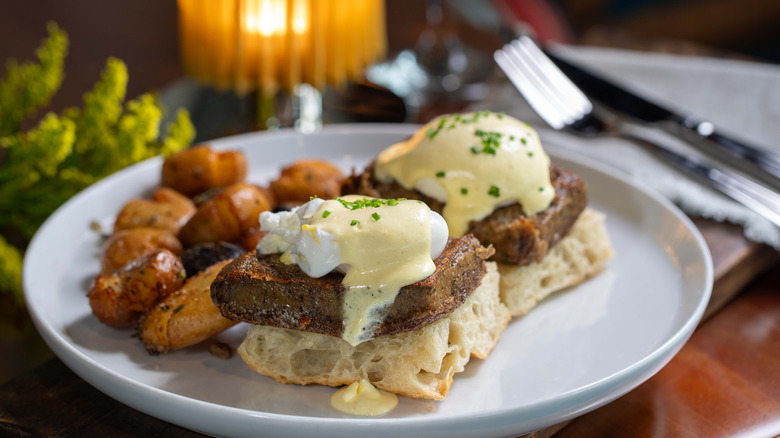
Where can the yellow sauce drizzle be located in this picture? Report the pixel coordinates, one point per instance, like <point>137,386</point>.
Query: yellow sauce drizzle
<point>363,398</point>
<point>386,247</point>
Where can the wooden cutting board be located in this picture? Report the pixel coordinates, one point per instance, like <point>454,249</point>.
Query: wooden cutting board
<point>736,261</point>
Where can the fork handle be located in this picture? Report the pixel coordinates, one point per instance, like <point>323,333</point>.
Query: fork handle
<point>743,190</point>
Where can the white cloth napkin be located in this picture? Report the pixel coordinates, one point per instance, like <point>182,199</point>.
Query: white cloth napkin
<point>741,98</point>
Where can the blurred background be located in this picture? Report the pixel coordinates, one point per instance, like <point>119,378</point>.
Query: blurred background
<point>144,33</point>
<point>451,41</point>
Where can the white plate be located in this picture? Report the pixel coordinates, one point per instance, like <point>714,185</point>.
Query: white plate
<point>573,353</point>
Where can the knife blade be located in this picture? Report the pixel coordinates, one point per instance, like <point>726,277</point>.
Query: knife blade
<point>760,163</point>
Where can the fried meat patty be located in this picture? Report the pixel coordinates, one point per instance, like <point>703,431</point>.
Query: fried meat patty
<point>261,289</point>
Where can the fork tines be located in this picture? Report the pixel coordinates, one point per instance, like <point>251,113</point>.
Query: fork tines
<point>552,95</point>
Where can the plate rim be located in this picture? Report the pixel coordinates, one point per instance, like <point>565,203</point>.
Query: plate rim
<point>82,364</point>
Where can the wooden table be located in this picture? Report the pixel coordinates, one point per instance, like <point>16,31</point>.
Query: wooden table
<point>725,381</point>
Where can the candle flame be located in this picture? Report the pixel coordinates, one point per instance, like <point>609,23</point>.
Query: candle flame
<point>300,21</point>
<point>270,18</point>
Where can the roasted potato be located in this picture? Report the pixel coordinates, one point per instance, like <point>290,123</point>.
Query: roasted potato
<point>127,245</point>
<point>227,216</point>
<point>185,317</point>
<point>199,168</point>
<point>120,299</point>
<point>168,210</point>
<point>303,179</point>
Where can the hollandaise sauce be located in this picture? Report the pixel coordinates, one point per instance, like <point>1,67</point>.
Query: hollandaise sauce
<point>363,398</point>
<point>387,245</point>
<point>474,163</point>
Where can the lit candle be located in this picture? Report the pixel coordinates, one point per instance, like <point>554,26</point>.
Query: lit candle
<point>266,45</point>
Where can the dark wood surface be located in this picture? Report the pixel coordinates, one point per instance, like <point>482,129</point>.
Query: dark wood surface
<point>53,401</point>
<point>724,382</point>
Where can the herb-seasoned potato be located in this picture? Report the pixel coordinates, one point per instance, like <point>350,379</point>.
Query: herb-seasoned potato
<point>127,245</point>
<point>228,216</point>
<point>168,210</point>
<point>306,178</point>
<point>197,169</point>
<point>186,316</point>
<point>119,299</point>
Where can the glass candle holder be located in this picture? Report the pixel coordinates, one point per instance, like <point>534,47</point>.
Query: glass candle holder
<point>283,51</point>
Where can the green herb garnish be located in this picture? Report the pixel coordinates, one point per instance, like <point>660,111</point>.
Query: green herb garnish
<point>178,308</point>
<point>451,121</point>
<point>464,191</point>
<point>354,222</point>
<point>432,132</point>
<point>375,216</point>
<point>477,115</point>
<point>490,142</point>
<point>494,191</point>
<point>440,174</point>
<point>325,214</point>
<point>368,202</point>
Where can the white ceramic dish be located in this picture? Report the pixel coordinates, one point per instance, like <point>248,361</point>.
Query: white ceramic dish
<point>573,353</point>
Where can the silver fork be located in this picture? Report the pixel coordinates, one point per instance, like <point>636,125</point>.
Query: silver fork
<point>564,107</point>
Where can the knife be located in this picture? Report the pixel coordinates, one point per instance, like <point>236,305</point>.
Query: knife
<point>762,164</point>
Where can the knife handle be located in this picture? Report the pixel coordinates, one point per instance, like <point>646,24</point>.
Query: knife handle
<point>760,163</point>
<point>743,190</point>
